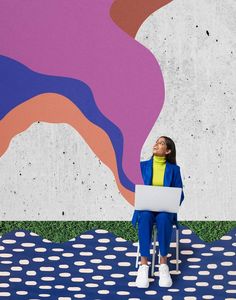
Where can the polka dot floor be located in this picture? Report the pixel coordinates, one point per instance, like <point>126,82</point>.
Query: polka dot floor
<point>98,265</point>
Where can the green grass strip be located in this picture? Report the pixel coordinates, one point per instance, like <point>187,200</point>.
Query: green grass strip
<point>62,231</point>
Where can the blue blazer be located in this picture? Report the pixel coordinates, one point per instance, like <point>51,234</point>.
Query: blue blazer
<point>172,178</point>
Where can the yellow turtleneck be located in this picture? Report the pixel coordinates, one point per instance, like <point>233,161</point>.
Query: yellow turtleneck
<point>159,165</point>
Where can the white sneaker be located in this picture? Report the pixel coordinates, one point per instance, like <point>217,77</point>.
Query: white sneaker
<point>142,277</point>
<point>164,276</point>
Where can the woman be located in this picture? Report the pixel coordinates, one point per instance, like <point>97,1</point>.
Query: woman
<point>160,170</point>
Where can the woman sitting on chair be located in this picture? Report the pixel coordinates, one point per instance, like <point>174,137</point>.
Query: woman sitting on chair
<point>160,170</point>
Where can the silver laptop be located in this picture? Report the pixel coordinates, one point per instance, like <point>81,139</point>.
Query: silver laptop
<point>157,198</point>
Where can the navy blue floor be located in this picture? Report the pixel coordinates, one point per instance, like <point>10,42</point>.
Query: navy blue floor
<point>99,265</point>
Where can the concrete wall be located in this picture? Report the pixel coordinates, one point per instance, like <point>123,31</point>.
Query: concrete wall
<point>50,173</point>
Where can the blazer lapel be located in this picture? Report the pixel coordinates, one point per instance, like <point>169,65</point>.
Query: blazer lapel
<point>168,174</point>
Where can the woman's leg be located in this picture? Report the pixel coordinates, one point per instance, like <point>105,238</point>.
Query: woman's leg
<point>145,225</point>
<point>164,221</point>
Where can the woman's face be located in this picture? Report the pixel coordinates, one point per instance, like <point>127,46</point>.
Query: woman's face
<point>160,147</point>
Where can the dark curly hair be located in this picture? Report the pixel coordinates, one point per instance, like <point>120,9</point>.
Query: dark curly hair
<point>171,157</point>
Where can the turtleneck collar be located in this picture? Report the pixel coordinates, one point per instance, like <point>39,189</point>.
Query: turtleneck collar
<point>159,159</point>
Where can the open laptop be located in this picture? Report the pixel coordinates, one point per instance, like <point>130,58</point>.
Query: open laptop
<point>157,198</point>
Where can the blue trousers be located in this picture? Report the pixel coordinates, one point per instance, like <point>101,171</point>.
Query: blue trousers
<point>164,222</point>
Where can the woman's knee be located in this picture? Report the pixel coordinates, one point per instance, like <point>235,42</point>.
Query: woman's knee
<point>164,217</point>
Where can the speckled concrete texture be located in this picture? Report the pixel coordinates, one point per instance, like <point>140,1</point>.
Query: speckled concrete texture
<point>194,42</point>
<point>50,173</point>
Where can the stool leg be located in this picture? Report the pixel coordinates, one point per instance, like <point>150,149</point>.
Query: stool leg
<point>177,249</point>
<point>137,256</point>
<point>154,250</point>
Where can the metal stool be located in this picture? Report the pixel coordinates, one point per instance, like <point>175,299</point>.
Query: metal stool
<point>154,235</point>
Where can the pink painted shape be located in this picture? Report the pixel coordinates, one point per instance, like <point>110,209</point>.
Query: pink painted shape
<point>78,39</point>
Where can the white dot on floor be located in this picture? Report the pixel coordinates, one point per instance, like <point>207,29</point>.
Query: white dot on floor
<point>186,252</point>
<point>167,297</point>
<point>78,246</point>
<point>5,255</point>
<point>83,270</point>
<point>226,238</point>
<point>226,263</point>
<point>105,241</point>
<point>124,264</point>
<point>4,285</point>
<point>208,297</point>
<point>19,234</point>
<point>86,253</point>
<point>185,241</point>
<point>202,283</point>
<point>23,262</point>
<point>150,292</point>
<point>87,236</point>
<point>203,272</point>
<point>190,298</point>
<point>206,254</point>
<point>212,266</point>
<point>15,279</point>
<point>189,277</point>
<point>79,263</point>
<point>198,246</point>
<point>117,275</point>
<point>120,239</point>
<point>16,268</point>
<point>122,293</point>
<point>53,258</point>
<point>46,269</point>
<point>229,253</point>
<point>193,259</point>
<point>110,257</point>
<point>97,277</point>
<point>4,294</point>
<point>101,248</point>
<point>217,287</point>
<point>45,287</point>
<point>101,231</point>
<point>63,266</point>
<point>31,273</point>
<point>186,231</point>
<point>38,259</point>
<point>57,249</point>
<point>74,288</point>
<point>4,273</point>
<point>231,272</point>
<point>30,282</point>
<point>44,295</point>
<point>9,242</point>
<point>109,282</point>
<point>119,248</point>
<point>103,292</point>
<point>59,286</point>
<point>104,267</point>
<point>218,277</point>
<point>232,282</point>
<point>79,296</point>
<point>67,254</point>
<point>190,289</point>
<point>65,274</point>
<point>91,285</point>
<point>27,245</point>
<point>77,279</point>
<point>47,278</point>
<point>95,261</point>
<point>40,249</point>
<point>217,248</point>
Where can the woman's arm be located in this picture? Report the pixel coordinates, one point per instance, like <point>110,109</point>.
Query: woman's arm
<point>178,182</point>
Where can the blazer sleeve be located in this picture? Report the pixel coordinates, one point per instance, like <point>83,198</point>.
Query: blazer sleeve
<point>178,183</point>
